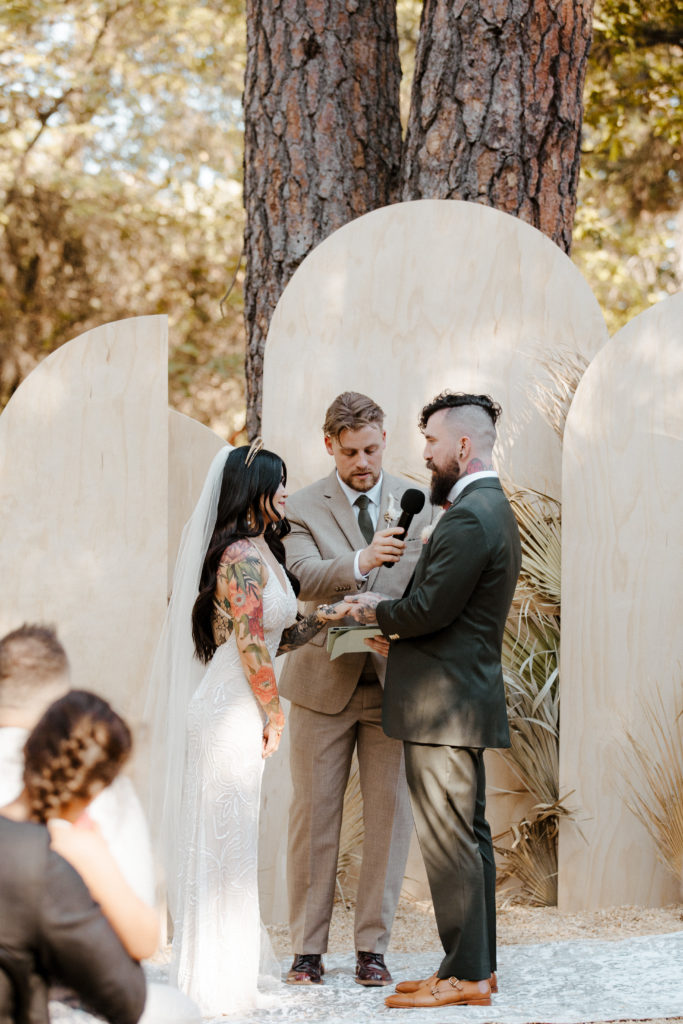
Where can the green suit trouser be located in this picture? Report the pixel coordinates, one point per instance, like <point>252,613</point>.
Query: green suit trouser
<point>448,795</point>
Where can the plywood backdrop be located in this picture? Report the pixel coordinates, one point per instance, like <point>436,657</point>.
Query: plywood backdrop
<point>622,564</point>
<point>403,303</point>
<point>414,298</point>
<point>83,503</point>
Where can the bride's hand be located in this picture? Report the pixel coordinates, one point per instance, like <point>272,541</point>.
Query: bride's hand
<point>333,612</point>
<point>271,739</point>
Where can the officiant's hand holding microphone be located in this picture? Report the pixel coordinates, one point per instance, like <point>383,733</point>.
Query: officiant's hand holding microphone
<point>387,546</point>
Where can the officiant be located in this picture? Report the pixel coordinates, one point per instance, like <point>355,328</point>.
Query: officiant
<point>342,533</point>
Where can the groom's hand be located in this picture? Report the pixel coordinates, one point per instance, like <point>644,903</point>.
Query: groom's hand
<point>362,607</point>
<point>385,547</point>
<point>379,644</point>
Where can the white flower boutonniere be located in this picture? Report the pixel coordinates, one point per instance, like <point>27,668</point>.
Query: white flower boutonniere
<point>427,530</point>
<point>393,510</point>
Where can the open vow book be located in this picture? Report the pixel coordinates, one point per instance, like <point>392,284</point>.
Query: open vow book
<point>349,639</point>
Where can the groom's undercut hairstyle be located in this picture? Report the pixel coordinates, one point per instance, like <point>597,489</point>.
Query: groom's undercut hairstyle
<point>476,415</point>
<point>458,400</point>
<point>350,411</point>
<point>34,668</point>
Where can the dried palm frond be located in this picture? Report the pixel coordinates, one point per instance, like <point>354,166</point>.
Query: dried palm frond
<point>539,520</point>
<point>532,858</point>
<point>352,829</point>
<point>565,368</point>
<point>531,647</point>
<point>533,753</point>
<point>652,770</point>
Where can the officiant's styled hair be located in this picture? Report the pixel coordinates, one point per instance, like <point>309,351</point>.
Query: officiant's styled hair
<point>77,749</point>
<point>251,478</point>
<point>350,411</point>
<point>34,669</point>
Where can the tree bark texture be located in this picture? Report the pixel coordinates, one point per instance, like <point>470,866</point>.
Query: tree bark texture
<point>322,141</point>
<point>496,107</point>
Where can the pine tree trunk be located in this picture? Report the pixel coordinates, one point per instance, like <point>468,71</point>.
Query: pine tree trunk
<point>496,107</point>
<point>322,141</point>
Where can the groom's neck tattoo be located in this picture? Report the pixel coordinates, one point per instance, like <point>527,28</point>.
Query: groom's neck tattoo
<point>477,466</point>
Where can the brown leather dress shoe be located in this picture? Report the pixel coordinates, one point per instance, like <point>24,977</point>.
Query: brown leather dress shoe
<point>413,986</point>
<point>307,969</point>
<point>371,969</point>
<point>445,992</point>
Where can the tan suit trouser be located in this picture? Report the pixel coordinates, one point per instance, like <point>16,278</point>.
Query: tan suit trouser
<point>321,748</point>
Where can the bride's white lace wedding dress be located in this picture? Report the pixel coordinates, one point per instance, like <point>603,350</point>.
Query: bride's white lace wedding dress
<point>217,945</point>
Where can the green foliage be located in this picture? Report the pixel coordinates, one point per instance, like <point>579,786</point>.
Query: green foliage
<point>120,171</point>
<point>627,238</point>
<point>121,175</point>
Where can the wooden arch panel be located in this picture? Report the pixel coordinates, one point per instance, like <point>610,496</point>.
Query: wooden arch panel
<point>83,497</point>
<point>622,558</point>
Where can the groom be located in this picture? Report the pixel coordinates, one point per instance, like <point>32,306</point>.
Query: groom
<point>444,694</point>
<point>338,544</point>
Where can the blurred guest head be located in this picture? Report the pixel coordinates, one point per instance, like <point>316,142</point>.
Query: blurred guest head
<point>34,671</point>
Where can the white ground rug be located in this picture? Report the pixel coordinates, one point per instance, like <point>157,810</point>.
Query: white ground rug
<point>575,982</point>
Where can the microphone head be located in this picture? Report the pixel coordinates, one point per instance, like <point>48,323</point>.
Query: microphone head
<point>412,501</point>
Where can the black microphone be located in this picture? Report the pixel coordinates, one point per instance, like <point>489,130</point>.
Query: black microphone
<point>412,502</point>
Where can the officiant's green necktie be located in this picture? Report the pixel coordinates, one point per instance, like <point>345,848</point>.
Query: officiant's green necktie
<point>364,518</point>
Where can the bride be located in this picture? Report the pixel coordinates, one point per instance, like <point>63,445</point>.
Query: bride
<point>233,609</point>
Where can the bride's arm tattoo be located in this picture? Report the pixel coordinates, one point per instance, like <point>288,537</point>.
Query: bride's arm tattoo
<point>239,592</point>
<point>300,632</point>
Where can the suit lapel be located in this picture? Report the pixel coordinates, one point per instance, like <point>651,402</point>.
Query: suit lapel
<point>342,513</point>
<point>388,487</point>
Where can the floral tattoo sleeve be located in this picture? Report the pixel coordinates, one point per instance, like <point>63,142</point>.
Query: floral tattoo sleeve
<point>300,632</point>
<point>239,595</point>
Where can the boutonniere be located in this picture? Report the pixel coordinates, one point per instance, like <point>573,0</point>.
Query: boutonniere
<point>393,510</point>
<point>427,530</point>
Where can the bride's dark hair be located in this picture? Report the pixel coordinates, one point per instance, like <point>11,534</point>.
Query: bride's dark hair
<point>244,488</point>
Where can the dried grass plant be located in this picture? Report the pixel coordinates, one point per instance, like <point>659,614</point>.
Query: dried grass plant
<point>565,368</point>
<point>531,672</point>
<point>532,859</point>
<point>652,770</point>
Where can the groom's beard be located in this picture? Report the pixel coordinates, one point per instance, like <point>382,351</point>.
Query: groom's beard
<point>442,481</point>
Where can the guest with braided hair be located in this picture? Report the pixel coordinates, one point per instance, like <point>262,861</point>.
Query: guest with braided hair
<point>77,749</point>
<point>34,672</point>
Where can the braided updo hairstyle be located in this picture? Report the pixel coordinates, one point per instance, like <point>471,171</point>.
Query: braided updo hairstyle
<point>77,748</point>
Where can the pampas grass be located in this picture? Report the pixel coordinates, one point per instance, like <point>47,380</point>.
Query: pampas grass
<point>652,770</point>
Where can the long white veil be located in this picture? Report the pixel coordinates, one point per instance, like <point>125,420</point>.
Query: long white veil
<point>175,675</point>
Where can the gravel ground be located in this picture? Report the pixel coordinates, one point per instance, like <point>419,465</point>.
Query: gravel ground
<point>415,930</point>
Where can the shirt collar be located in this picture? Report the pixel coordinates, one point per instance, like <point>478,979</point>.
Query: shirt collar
<point>374,494</point>
<point>464,481</point>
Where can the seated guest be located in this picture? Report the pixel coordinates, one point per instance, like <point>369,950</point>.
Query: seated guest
<point>77,749</point>
<point>34,671</point>
<point>52,931</point>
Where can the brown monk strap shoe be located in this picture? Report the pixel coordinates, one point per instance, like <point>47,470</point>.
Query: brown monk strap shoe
<point>444,992</point>
<point>413,986</point>
<point>307,969</point>
<point>371,969</point>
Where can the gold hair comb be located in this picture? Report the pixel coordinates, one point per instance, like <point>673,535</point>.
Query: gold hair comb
<point>255,448</point>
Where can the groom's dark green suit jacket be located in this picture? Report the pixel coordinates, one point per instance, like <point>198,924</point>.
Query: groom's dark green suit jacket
<point>444,682</point>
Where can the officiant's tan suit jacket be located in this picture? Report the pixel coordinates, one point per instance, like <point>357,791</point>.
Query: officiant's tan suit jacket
<point>320,552</point>
<point>336,708</point>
